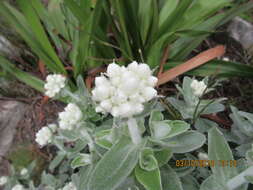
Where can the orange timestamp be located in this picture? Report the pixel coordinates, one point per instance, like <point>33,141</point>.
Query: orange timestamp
<point>206,163</point>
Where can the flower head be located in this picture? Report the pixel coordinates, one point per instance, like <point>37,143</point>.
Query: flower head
<point>3,180</point>
<point>18,187</point>
<point>52,127</point>
<point>70,117</point>
<point>69,186</point>
<point>198,87</point>
<point>122,90</point>
<point>44,136</point>
<point>202,156</point>
<point>23,172</point>
<point>54,84</point>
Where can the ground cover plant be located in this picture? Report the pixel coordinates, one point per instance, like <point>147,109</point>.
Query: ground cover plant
<point>108,61</point>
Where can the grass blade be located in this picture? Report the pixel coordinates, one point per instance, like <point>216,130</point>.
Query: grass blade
<point>218,68</point>
<point>21,75</point>
<point>39,33</point>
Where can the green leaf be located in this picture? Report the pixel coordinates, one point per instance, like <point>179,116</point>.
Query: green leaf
<point>115,166</point>
<point>57,18</point>
<point>84,174</point>
<point>81,160</point>
<point>173,21</point>
<point>155,116</point>
<point>85,17</point>
<point>211,184</point>
<point>129,184</point>
<point>83,91</point>
<point>151,180</point>
<point>193,33</point>
<point>39,32</point>
<point>249,179</point>
<point>20,24</point>
<point>147,160</point>
<point>190,183</point>
<point>218,150</point>
<point>119,11</point>
<point>170,179</point>
<point>167,129</point>
<point>48,179</point>
<point>75,9</point>
<point>186,142</point>
<point>57,160</point>
<point>182,47</point>
<point>200,10</point>
<point>27,78</point>
<point>236,10</point>
<point>218,68</point>
<point>163,156</point>
<point>104,138</point>
<point>168,7</point>
<point>145,16</point>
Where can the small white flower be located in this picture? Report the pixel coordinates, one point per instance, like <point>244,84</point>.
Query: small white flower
<point>198,87</point>
<point>18,187</point>
<point>70,117</point>
<point>225,59</point>
<point>52,127</point>
<point>3,180</point>
<point>44,136</point>
<point>24,172</point>
<point>54,84</point>
<point>122,90</point>
<point>69,186</point>
<point>113,70</point>
<point>149,93</point>
<point>202,156</point>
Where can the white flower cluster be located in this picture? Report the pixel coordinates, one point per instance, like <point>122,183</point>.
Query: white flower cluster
<point>18,187</point>
<point>198,87</point>
<point>122,91</point>
<point>69,186</point>
<point>44,136</point>
<point>70,117</point>
<point>54,84</point>
<point>3,180</point>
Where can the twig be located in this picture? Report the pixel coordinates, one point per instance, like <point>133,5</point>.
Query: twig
<point>163,61</point>
<point>42,68</point>
<point>191,64</point>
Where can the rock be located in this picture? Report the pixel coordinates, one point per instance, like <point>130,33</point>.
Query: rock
<point>242,31</point>
<point>11,112</point>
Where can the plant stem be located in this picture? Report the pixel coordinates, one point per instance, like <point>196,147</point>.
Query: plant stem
<point>134,130</point>
<point>239,179</point>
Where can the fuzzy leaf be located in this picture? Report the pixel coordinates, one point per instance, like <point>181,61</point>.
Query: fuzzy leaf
<point>115,166</point>
<point>170,179</point>
<point>185,142</point>
<point>151,180</point>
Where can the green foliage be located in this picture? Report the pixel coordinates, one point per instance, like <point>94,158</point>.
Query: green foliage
<point>74,34</point>
<point>100,153</point>
<point>115,166</point>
